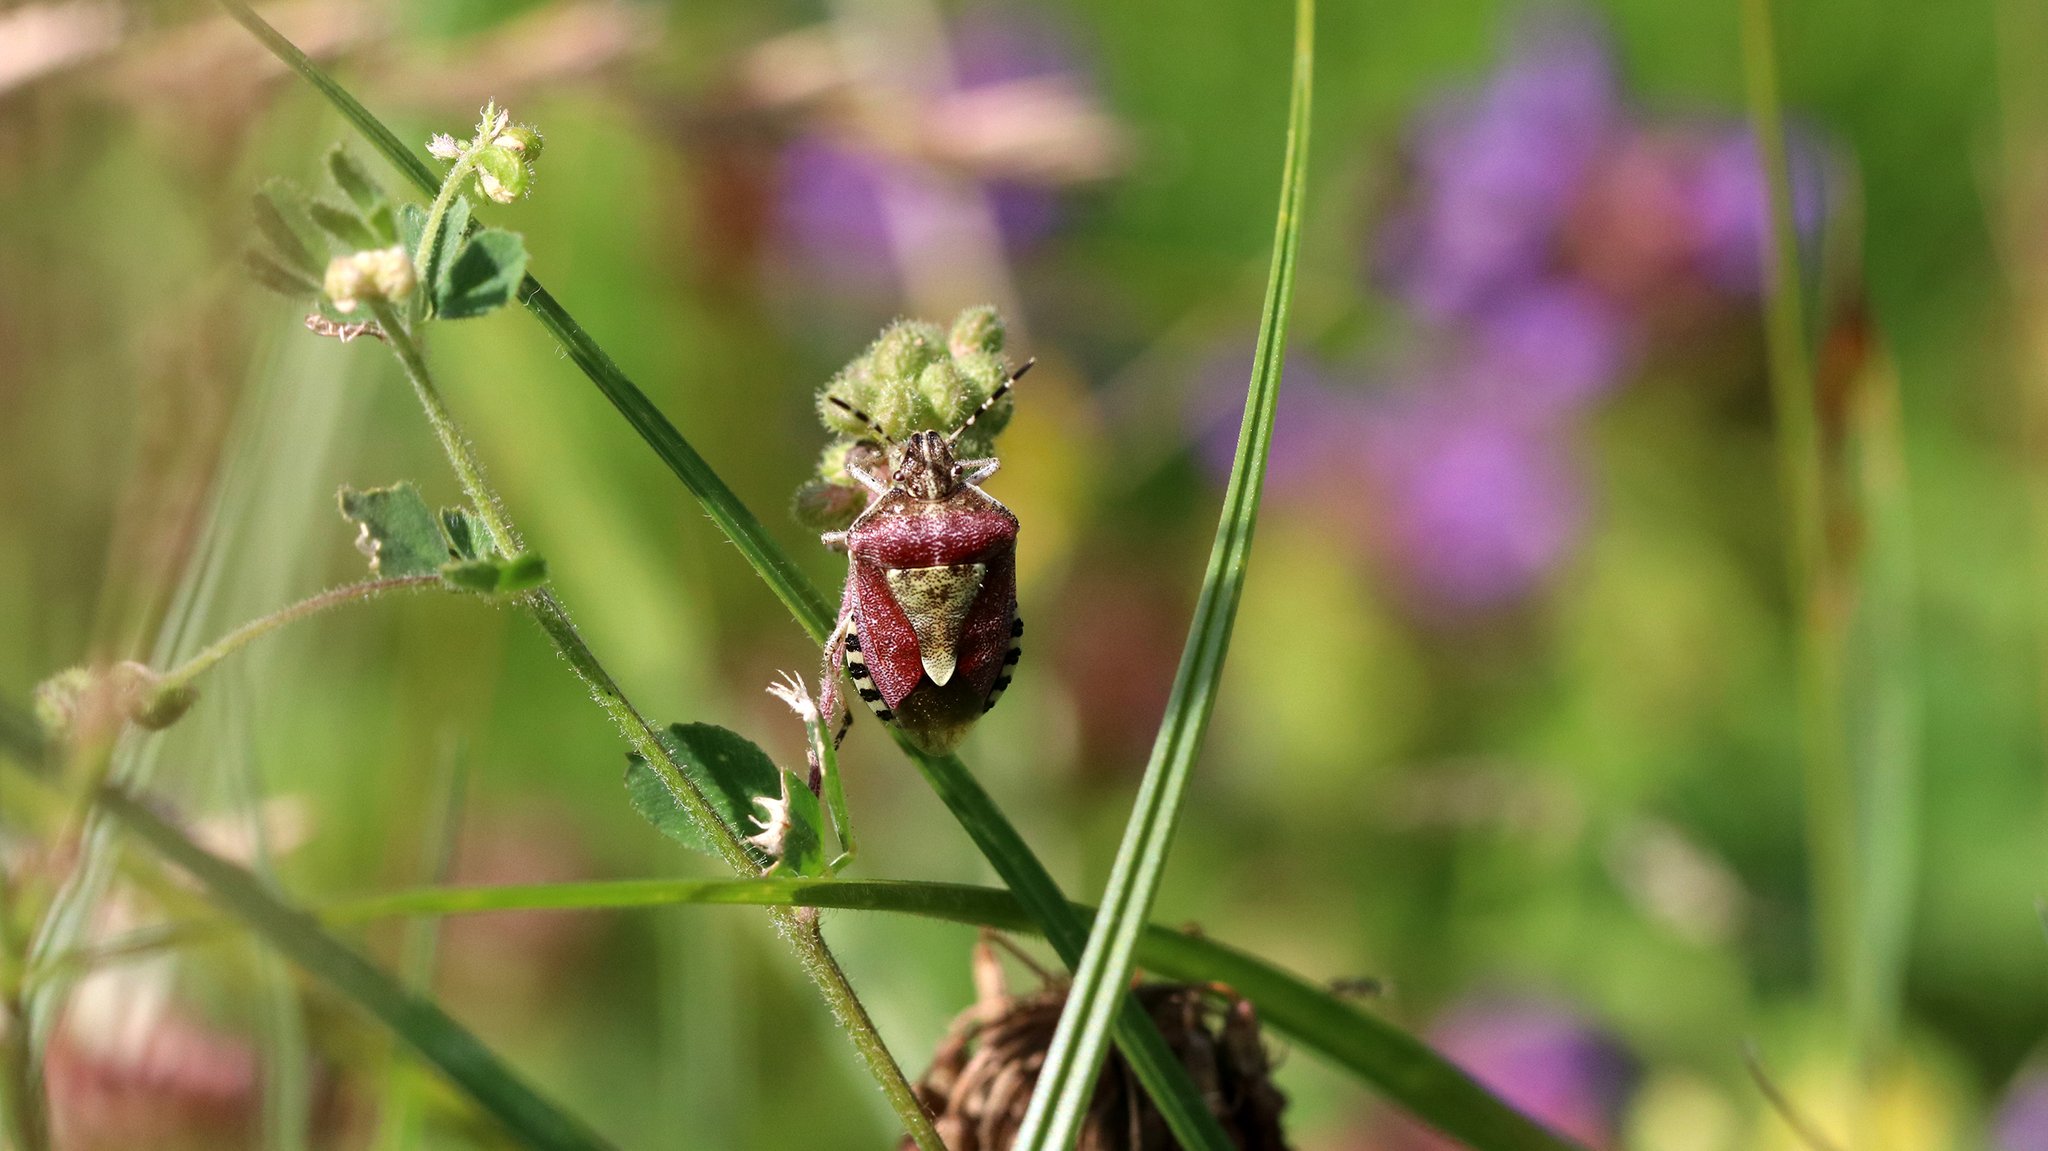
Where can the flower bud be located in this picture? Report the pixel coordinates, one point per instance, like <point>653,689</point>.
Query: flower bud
<point>501,175</point>
<point>523,139</point>
<point>381,274</point>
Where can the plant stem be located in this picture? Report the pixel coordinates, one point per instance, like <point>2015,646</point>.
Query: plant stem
<point>1830,788</point>
<point>815,957</point>
<point>227,645</point>
<point>430,237</point>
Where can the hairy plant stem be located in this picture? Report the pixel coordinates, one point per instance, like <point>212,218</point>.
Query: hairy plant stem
<point>799,928</point>
<point>183,674</point>
<point>430,238</point>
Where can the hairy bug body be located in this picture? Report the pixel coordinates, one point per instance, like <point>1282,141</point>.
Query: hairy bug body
<point>928,628</point>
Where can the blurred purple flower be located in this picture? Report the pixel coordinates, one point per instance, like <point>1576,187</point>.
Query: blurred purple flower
<point>1497,172</point>
<point>1477,510</point>
<point>1019,119</point>
<point>1545,351</point>
<point>1546,1060</point>
<point>1731,206</point>
<point>2022,1122</point>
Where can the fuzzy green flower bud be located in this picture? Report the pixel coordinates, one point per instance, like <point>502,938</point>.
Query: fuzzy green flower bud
<point>92,702</point>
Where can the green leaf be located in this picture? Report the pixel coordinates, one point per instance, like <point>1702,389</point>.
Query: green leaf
<point>412,225</point>
<point>496,575</point>
<point>343,226</point>
<point>1059,1102</point>
<point>727,768</point>
<point>468,538</point>
<point>397,532</point>
<point>454,223</point>
<point>281,219</point>
<point>482,277</point>
<point>266,270</point>
<point>364,192</point>
<point>803,845</point>
<point>528,1116</point>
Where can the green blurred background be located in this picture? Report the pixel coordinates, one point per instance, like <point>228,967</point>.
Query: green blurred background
<point>1586,794</point>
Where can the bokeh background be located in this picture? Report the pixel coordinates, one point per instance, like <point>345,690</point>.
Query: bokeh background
<point>1509,730</point>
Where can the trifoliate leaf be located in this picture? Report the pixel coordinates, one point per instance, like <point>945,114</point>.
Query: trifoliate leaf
<point>343,226</point>
<point>483,276</point>
<point>396,530</point>
<point>495,574</point>
<point>727,768</point>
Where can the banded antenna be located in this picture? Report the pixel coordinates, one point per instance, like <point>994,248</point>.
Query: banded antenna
<point>1002,389</point>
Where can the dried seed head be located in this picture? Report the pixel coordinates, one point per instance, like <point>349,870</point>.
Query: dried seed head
<point>982,1075</point>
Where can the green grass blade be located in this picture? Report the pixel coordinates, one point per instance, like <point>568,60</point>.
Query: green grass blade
<point>1401,1066</point>
<point>1831,800</point>
<point>526,1116</point>
<point>1161,1074</point>
<point>1059,1104</point>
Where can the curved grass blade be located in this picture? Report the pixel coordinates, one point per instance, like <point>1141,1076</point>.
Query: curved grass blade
<point>1059,1103</point>
<point>1162,1075</point>
<point>1404,1068</point>
<point>527,1117</point>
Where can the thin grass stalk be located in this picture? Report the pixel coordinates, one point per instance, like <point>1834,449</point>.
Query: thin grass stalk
<point>1059,1103</point>
<point>1830,798</point>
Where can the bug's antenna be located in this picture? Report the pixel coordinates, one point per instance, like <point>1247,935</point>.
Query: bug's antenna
<point>862,416</point>
<point>1002,389</point>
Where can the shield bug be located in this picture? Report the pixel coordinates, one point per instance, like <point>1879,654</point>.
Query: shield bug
<point>928,628</point>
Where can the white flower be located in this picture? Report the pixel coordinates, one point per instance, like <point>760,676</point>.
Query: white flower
<point>444,146</point>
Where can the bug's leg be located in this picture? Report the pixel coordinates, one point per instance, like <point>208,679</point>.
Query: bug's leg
<point>975,471</point>
<point>868,480</point>
<point>833,541</point>
<point>831,701</point>
<point>1010,659</point>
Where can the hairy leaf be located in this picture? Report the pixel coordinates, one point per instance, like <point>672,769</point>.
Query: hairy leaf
<point>395,529</point>
<point>729,769</point>
<point>495,574</point>
<point>281,219</point>
<point>365,193</point>
<point>482,277</point>
<point>343,226</point>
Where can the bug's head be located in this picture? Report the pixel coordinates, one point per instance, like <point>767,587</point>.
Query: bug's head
<point>925,467</point>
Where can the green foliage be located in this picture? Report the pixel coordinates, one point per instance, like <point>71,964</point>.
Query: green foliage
<point>396,530</point>
<point>803,839</point>
<point>730,771</point>
<point>402,537</point>
<point>371,203</point>
<point>482,276</point>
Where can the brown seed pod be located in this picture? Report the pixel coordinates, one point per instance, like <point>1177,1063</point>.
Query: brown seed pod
<point>981,1077</point>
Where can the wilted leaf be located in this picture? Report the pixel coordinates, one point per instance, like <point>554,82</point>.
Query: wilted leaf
<point>396,530</point>
<point>483,276</point>
<point>728,769</point>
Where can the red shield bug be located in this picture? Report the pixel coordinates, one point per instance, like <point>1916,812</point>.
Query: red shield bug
<point>928,627</point>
